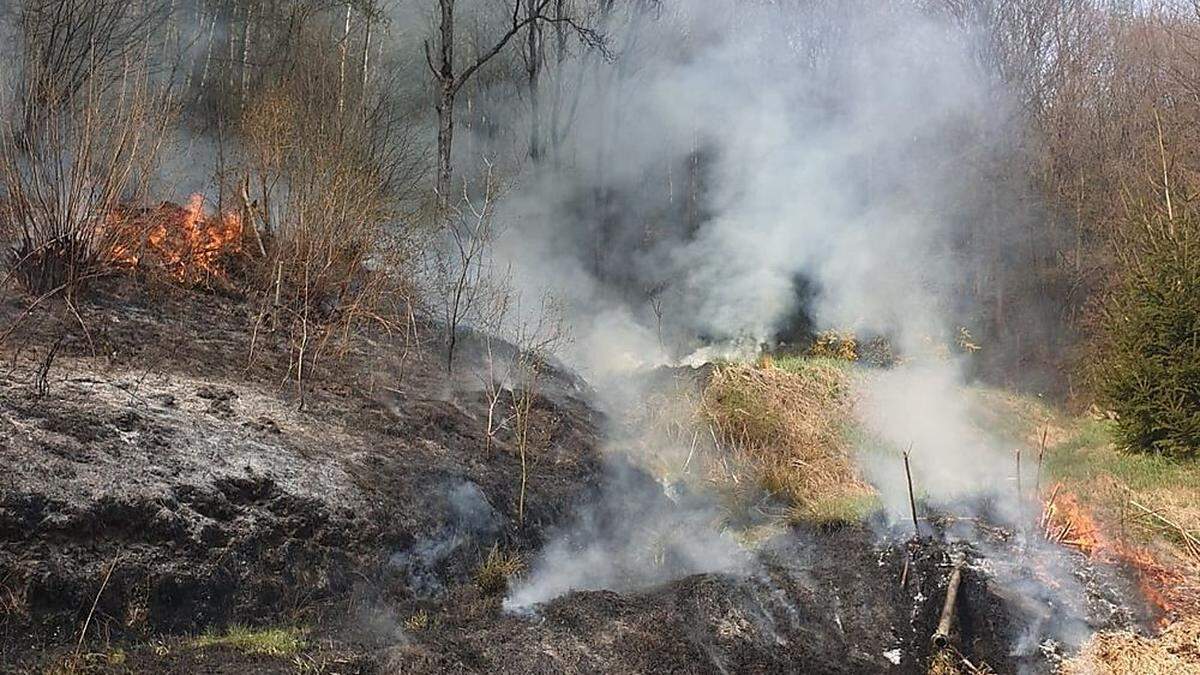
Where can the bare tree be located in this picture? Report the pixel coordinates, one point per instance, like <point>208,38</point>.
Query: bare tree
<point>534,55</point>
<point>450,78</point>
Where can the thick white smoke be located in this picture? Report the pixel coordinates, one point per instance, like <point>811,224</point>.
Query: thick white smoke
<point>834,143</point>
<point>840,147</point>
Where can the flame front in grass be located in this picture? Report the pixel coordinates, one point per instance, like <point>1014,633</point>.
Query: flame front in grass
<point>1067,521</point>
<point>187,243</point>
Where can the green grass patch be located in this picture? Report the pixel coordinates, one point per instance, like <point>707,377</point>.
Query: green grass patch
<point>1014,418</point>
<point>801,365</point>
<point>276,641</point>
<point>1089,453</point>
<point>837,509</point>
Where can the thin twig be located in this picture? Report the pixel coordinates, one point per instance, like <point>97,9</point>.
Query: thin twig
<point>96,601</point>
<point>695,435</point>
<point>1037,481</point>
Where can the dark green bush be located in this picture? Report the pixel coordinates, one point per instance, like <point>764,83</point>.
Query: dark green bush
<point>1149,370</point>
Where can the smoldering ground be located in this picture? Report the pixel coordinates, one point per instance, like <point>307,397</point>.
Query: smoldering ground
<point>751,163</point>
<point>741,157</point>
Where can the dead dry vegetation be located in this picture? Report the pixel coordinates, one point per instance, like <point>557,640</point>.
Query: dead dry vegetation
<point>1130,508</point>
<point>252,405</point>
<point>176,487</point>
<point>1175,650</point>
<point>785,426</point>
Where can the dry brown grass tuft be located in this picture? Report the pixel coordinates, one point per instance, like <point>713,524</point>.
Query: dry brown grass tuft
<point>417,622</point>
<point>497,568</point>
<point>784,423</point>
<point>1176,650</point>
<point>832,344</point>
<point>943,663</point>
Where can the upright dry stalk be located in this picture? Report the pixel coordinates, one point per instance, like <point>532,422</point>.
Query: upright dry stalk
<point>492,319</point>
<point>522,409</point>
<point>912,500</point>
<point>1037,480</point>
<point>1162,153</point>
<point>535,340</point>
<point>1020,492</point>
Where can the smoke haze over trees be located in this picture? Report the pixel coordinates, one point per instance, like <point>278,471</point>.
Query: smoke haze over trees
<point>457,311</point>
<point>678,175</point>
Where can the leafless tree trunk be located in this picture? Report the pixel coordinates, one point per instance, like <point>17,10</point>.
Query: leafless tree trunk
<point>533,69</point>
<point>448,85</point>
<point>208,52</point>
<point>451,81</point>
<point>244,66</point>
<point>366,53</point>
<point>344,52</point>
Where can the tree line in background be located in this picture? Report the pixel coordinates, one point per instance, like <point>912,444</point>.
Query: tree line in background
<point>330,125</point>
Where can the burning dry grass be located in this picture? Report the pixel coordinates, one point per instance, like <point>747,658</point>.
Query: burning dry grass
<point>1135,508</point>
<point>190,244</point>
<point>1176,650</point>
<point>1138,510</point>
<point>784,422</point>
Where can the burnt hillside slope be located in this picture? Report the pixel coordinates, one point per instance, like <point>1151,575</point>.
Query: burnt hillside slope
<point>161,483</point>
<point>155,461</point>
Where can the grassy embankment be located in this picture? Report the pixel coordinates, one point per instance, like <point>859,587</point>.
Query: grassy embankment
<point>1145,511</point>
<point>1148,506</point>
<point>787,422</point>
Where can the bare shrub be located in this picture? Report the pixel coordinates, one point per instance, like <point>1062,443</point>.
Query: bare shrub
<point>324,190</point>
<point>536,339</point>
<point>66,172</point>
<point>518,342</point>
<point>80,45</point>
<point>465,284</point>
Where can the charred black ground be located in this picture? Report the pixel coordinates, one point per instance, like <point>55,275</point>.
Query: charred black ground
<point>165,475</point>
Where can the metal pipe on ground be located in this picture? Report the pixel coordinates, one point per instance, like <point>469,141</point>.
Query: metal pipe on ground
<point>941,637</point>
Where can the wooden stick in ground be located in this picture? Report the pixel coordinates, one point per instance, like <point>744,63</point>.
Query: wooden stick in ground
<point>1048,512</point>
<point>249,216</point>
<point>1037,481</point>
<point>912,501</point>
<point>941,637</point>
<point>1020,493</point>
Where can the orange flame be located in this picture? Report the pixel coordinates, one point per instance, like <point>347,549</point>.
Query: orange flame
<point>1066,521</point>
<point>185,241</point>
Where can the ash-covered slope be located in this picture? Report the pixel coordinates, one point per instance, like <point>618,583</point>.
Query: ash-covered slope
<point>158,481</point>
<point>194,489</point>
